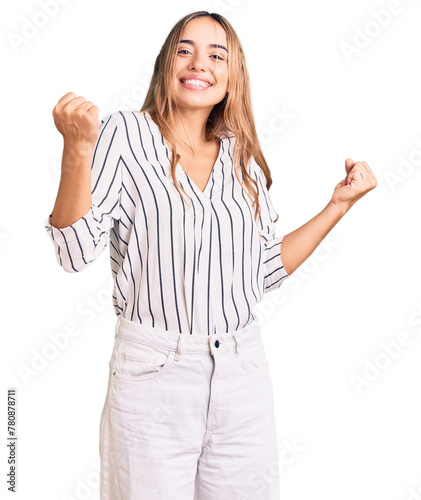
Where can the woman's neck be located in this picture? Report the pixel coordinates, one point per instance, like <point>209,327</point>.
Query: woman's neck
<point>190,126</point>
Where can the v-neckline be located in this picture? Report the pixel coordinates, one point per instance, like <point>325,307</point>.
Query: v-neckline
<point>180,170</point>
<point>211,175</point>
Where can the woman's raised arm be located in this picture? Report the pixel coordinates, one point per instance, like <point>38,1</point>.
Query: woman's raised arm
<point>77,120</point>
<point>88,198</point>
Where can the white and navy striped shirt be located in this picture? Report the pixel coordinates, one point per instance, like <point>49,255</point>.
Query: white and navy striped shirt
<point>197,268</point>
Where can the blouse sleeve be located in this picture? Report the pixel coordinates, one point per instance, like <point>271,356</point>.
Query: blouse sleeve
<point>78,245</point>
<point>273,269</point>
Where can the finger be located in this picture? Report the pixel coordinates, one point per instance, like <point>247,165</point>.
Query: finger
<point>355,175</point>
<point>358,167</point>
<point>86,105</point>
<point>368,169</point>
<point>94,111</point>
<point>370,175</point>
<point>368,172</point>
<point>74,103</point>
<point>349,163</point>
<point>358,170</point>
<point>66,98</point>
<point>63,101</point>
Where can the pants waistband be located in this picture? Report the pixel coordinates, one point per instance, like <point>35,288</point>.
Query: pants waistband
<point>184,342</point>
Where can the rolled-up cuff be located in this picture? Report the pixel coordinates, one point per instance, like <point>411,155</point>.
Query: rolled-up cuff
<point>79,230</point>
<point>274,271</point>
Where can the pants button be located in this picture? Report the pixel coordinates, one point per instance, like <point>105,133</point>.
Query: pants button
<point>216,343</point>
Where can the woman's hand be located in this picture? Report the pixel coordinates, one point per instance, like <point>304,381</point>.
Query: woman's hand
<point>359,181</point>
<point>77,120</point>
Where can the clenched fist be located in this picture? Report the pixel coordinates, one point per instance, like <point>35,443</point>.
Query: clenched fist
<point>359,181</point>
<point>77,120</point>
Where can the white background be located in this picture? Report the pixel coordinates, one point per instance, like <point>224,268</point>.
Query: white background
<point>358,292</point>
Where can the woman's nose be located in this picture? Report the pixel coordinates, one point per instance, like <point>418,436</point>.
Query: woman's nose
<point>197,62</point>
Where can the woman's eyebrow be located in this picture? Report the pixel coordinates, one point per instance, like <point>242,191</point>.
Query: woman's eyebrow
<point>215,45</point>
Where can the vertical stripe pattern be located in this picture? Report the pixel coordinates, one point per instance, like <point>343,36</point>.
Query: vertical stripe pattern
<point>198,267</point>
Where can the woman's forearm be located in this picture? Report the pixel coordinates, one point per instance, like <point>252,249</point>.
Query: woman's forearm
<point>74,194</point>
<point>298,245</point>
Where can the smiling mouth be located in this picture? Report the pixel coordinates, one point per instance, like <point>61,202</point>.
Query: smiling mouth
<point>195,83</point>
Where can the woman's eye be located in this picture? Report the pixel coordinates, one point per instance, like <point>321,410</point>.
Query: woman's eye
<point>185,51</point>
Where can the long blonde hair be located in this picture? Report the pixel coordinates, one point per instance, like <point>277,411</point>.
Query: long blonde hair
<point>233,113</point>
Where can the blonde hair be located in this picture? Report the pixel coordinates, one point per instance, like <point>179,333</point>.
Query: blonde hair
<point>233,113</point>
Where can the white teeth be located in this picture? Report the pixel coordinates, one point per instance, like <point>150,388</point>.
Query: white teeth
<point>196,82</point>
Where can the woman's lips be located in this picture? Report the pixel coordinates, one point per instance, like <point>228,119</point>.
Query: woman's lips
<point>193,87</point>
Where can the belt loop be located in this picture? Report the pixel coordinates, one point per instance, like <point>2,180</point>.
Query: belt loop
<point>179,345</point>
<point>117,325</point>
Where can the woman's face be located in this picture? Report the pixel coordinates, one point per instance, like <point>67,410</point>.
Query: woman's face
<point>201,59</point>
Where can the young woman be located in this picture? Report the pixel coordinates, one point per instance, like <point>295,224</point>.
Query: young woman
<point>179,191</point>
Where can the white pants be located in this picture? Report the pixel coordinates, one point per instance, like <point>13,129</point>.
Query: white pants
<point>188,417</point>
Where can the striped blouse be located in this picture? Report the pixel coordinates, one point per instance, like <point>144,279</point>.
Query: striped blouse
<point>198,267</point>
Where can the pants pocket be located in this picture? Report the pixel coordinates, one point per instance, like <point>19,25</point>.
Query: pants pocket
<point>253,357</point>
<point>135,362</point>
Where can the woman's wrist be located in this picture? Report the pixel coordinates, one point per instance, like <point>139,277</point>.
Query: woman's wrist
<point>340,208</point>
